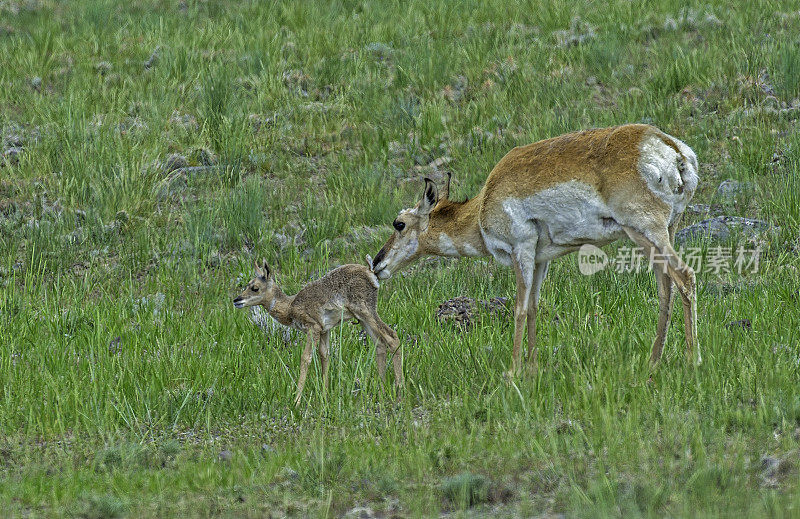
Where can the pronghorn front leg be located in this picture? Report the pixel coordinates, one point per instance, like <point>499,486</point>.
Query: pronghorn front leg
<point>523,270</point>
<point>533,306</point>
<point>305,361</point>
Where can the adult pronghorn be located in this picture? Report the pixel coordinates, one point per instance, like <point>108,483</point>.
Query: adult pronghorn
<point>549,198</point>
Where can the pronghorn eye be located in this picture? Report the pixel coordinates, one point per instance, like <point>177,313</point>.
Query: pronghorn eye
<point>399,225</point>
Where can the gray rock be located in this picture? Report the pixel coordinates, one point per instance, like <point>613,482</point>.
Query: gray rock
<point>360,512</point>
<point>36,83</point>
<point>185,121</point>
<point>153,59</point>
<point>131,125</point>
<point>578,32</point>
<point>11,156</point>
<point>699,209</point>
<point>225,455</point>
<point>441,162</point>
<point>175,161</point>
<point>721,228</point>
<point>103,68</point>
<point>268,449</point>
<point>379,49</point>
<point>205,156</point>
<point>731,190</point>
<point>13,140</point>
<point>214,260</point>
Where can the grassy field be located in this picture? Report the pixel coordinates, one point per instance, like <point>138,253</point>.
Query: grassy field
<point>152,150</point>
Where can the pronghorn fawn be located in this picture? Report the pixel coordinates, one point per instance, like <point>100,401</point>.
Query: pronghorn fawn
<point>347,292</point>
<point>549,198</point>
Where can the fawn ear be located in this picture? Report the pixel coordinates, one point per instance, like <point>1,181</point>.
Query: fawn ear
<point>429,197</point>
<point>263,269</point>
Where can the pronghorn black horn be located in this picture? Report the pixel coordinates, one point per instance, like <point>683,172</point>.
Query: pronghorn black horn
<point>446,192</point>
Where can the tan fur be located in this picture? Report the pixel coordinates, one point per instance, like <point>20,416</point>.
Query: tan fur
<point>347,292</point>
<point>606,164</point>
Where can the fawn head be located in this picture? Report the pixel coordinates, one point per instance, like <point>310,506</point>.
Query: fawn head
<point>261,290</point>
<point>410,229</point>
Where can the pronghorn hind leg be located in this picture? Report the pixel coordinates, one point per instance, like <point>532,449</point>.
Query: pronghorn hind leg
<point>682,275</point>
<point>666,300</point>
<point>324,356</point>
<point>385,339</point>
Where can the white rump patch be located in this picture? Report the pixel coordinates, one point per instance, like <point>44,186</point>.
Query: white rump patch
<point>658,165</point>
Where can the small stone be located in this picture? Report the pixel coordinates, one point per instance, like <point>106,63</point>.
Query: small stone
<point>731,190</point>
<point>699,209</point>
<point>296,79</point>
<point>578,32</point>
<point>360,512</point>
<point>131,125</point>
<point>259,121</point>
<point>153,59</point>
<point>175,161</point>
<point>721,228</point>
<point>215,260</point>
<point>268,449</point>
<point>225,455</point>
<point>14,140</point>
<point>113,346</point>
<point>455,91</point>
<point>103,68</point>
<point>205,156</point>
<point>11,156</point>
<point>396,149</point>
<point>36,83</point>
<point>440,162</point>
<point>287,473</point>
<point>379,49</point>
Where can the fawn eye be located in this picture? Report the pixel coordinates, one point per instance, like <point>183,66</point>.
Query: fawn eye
<point>398,225</point>
<point>255,288</point>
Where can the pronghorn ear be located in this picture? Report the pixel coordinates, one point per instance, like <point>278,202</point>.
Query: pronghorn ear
<point>263,269</point>
<point>446,191</point>
<point>429,197</point>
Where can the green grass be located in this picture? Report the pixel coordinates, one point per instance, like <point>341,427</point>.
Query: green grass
<point>125,371</point>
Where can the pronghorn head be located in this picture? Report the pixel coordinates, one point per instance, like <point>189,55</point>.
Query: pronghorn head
<point>261,290</point>
<point>411,227</point>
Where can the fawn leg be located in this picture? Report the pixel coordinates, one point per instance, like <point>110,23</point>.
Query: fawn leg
<point>305,361</point>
